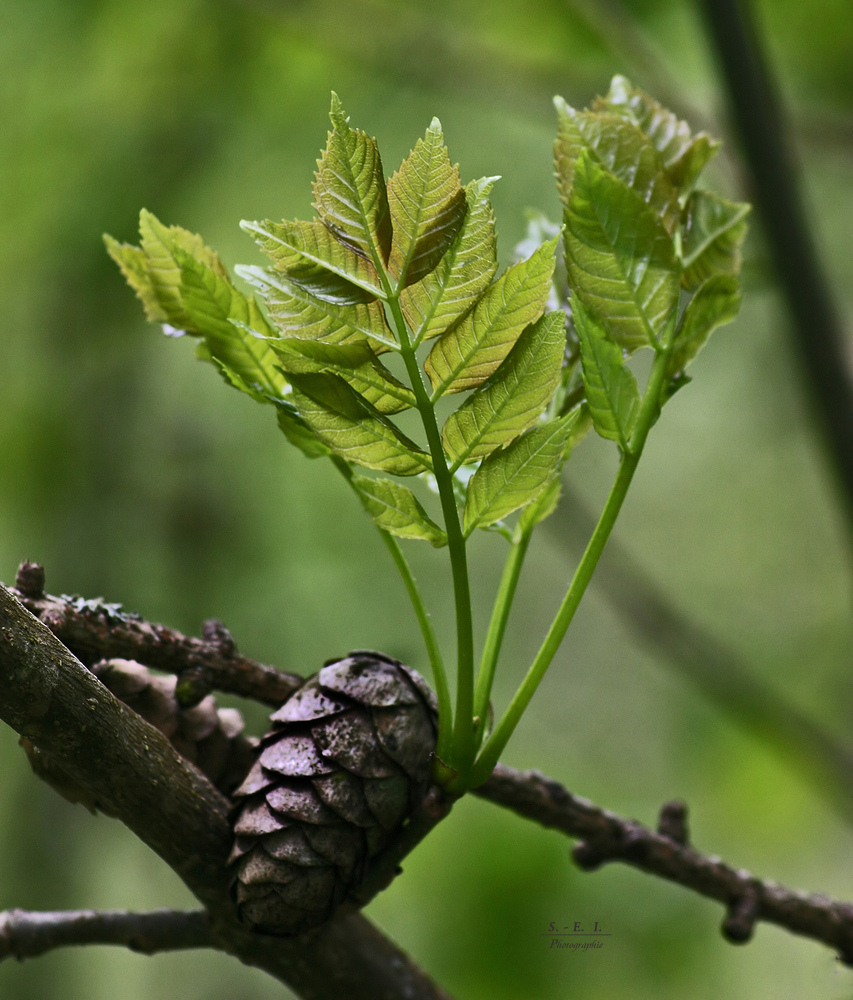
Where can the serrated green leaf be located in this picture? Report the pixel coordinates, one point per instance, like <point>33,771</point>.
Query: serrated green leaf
<point>620,147</point>
<point>298,433</point>
<point>513,398</point>
<point>352,429</point>
<point>684,155</point>
<point>543,506</point>
<point>713,234</point>
<point>444,295</point>
<point>467,354</point>
<point>349,190</point>
<point>427,208</point>
<point>134,266</point>
<point>612,393</point>
<point>298,313</point>
<point>395,508</point>
<point>309,255</point>
<point>235,331</point>
<point>516,475</point>
<point>620,260</point>
<point>355,363</point>
<point>715,303</point>
<point>159,244</point>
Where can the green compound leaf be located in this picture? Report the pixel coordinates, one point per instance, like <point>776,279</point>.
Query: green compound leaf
<point>298,433</point>
<point>716,303</point>
<point>623,149</point>
<point>134,266</point>
<point>235,332</point>
<point>513,398</point>
<point>467,354</point>
<point>444,295</point>
<point>427,208</point>
<point>684,155</point>
<point>352,429</point>
<point>713,234</point>
<point>159,244</point>
<point>620,260</point>
<point>349,190</point>
<point>612,393</point>
<point>510,478</point>
<point>298,313</point>
<point>395,508</point>
<point>309,254</point>
<point>355,363</point>
<point>546,503</point>
<point>543,506</point>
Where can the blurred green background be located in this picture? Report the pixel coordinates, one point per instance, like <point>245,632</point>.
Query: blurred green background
<point>130,472</point>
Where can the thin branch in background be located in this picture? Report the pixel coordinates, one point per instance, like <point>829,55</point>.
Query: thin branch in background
<point>25,935</point>
<point>607,837</point>
<point>714,668</point>
<point>819,334</point>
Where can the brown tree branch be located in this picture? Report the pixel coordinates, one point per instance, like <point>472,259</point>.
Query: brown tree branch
<point>95,630</point>
<point>25,935</point>
<point>357,954</point>
<point>47,695</point>
<point>607,837</point>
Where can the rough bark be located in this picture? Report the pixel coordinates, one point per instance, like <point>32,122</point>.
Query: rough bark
<point>47,695</point>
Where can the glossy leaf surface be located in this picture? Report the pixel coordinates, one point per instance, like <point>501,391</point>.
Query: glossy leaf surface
<point>716,303</point>
<point>395,508</point>
<point>349,190</point>
<point>513,398</point>
<point>444,295</point>
<point>355,363</point>
<point>612,393</point>
<point>620,260</point>
<point>427,207</point>
<point>512,477</point>
<point>352,429</point>
<point>713,235</point>
<point>467,354</point>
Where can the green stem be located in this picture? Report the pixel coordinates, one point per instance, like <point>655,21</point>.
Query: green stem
<point>445,716</point>
<point>583,574</point>
<point>445,720</point>
<point>462,751</point>
<point>497,628</point>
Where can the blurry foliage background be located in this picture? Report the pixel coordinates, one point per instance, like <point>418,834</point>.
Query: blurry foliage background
<point>129,472</point>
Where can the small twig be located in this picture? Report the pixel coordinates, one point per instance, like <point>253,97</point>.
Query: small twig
<point>25,935</point>
<point>608,837</point>
<point>94,630</point>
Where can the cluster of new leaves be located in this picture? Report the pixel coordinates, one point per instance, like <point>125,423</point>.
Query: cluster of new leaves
<point>388,267</point>
<point>641,242</point>
<point>385,267</point>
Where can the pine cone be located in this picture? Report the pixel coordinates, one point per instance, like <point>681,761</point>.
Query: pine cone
<point>210,737</point>
<point>347,761</point>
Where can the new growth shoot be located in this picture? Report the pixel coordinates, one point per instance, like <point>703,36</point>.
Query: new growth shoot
<point>533,357</point>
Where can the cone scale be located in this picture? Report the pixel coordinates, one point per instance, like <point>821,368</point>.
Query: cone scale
<point>347,760</point>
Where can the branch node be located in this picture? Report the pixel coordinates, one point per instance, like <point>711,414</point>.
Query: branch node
<point>586,857</point>
<point>742,916</point>
<point>672,822</point>
<point>193,686</point>
<point>29,580</point>
<point>214,632</point>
